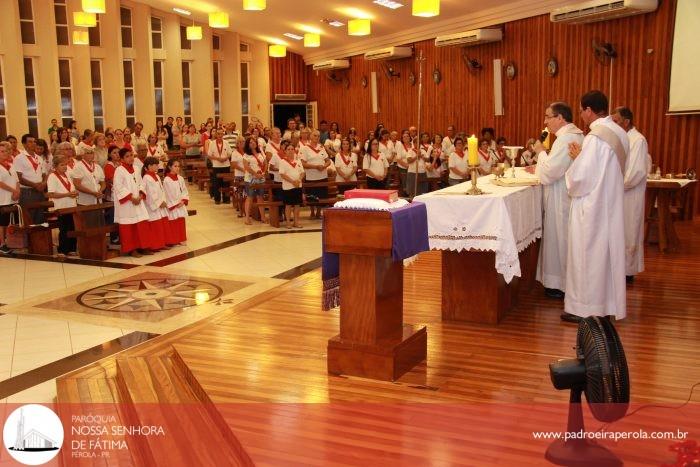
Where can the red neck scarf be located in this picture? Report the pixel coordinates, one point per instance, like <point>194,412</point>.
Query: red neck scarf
<point>376,158</point>
<point>346,160</point>
<point>7,165</point>
<point>261,163</point>
<point>152,152</point>
<point>64,181</point>
<point>293,163</point>
<point>33,161</point>
<point>486,155</point>
<point>88,144</point>
<point>153,176</point>
<point>129,167</point>
<point>278,148</point>
<point>219,146</point>
<point>71,164</point>
<point>460,153</point>
<point>317,149</point>
<point>425,146</point>
<point>173,176</point>
<point>90,166</point>
<point>405,148</point>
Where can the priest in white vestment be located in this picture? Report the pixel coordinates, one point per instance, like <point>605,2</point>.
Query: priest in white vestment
<point>550,169</point>
<point>638,166</point>
<point>595,275</point>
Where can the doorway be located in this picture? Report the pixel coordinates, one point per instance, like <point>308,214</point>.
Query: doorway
<point>283,112</point>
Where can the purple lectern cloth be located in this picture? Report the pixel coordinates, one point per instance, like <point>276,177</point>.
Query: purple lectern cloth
<point>409,237</point>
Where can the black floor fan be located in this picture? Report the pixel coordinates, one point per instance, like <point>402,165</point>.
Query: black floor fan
<point>600,370</point>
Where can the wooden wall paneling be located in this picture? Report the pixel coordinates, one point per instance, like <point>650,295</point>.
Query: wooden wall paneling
<point>640,80</point>
<point>287,75</point>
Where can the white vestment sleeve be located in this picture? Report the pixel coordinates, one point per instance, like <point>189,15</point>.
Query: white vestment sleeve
<point>583,175</point>
<point>637,164</point>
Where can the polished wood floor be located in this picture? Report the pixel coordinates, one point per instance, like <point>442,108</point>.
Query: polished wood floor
<point>272,349</point>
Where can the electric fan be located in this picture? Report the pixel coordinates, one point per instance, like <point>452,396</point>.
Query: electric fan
<point>600,370</point>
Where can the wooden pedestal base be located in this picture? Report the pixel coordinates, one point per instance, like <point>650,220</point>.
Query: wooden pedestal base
<point>472,289</point>
<point>386,360</point>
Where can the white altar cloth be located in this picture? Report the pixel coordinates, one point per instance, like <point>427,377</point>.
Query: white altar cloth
<point>505,221</point>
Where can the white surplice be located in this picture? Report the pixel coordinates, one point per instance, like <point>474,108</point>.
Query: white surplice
<point>175,193</point>
<point>595,274</point>
<point>125,187</point>
<point>550,169</point>
<point>638,166</point>
<point>152,187</point>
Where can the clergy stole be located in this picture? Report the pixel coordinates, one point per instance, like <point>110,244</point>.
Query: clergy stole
<point>609,136</point>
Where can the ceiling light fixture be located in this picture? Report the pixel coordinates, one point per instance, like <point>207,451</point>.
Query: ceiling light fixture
<point>312,40</point>
<point>333,22</point>
<point>389,4</point>
<point>84,20</point>
<point>182,11</point>
<point>277,51</point>
<point>296,37</point>
<point>94,6</point>
<point>359,27</point>
<point>194,33</point>
<point>80,37</point>
<point>218,20</point>
<point>426,8</point>
<point>254,5</point>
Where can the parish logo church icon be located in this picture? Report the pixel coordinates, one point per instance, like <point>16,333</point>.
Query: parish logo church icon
<point>33,434</point>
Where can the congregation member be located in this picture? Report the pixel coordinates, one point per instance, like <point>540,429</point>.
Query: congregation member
<point>129,210</point>
<point>458,163</point>
<point>119,140</point>
<point>44,155</point>
<point>89,180</point>
<point>13,143</point>
<point>231,135</point>
<point>255,168</point>
<point>162,134</point>
<point>31,178</point>
<point>54,127</point>
<point>220,156</point>
<point>86,144</point>
<point>332,144</point>
<point>528,157</point>
<point>191,142</point>
<point>345,165</point>
<point>9,192</point>
<point>139,140</point>
<point>275,154</point>
<point>101,155</point>
<point>416,184</point>
<point>375,166</point>
<point>168,127</point>
<point>109,169</point>
<point>404,152</point>
<point>487,134</point>
<point>292,174</point>
<point>447,143</point>
<point>487,158</point>
<point>239,172</point>
<point>153,149</point>
<point>63,194</point>
<point>315,161</point>
<point>635,181</point>
<point>595,267</point>
<point>433,166</point>
<point>291,130</point>
<point>323,132</point>
<point>177,197</point>
<point>74,132</point>
<point>178,129</point>
<point>155,203</point>
<point>550,169</point>
<point>500,150</point>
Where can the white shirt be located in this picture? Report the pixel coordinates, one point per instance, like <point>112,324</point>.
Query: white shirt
<point>83,147</point>
<point>332,145</point>
<point>295,172</point>
<point>386,150</point>
<point>256,163</point>
<point>274,150</point>
<point>9,178</point>
<point>140,142</point>
<point>157,152</point>
<point>29,166</point>
<point>90,176</point>
<point>459,163</point>
<point>231,138</point>
<point>447,145</point>
<point>288,134</point>
<point>316,156</point>
<point>424,156</point>
<point>403,152</point>
<point>126,186</point>
<point>349,164</point>
<point>54,185</point>
<point>155,197</point>
<point>378,166</point>
<point>219,149</point>
<point>487,161</point>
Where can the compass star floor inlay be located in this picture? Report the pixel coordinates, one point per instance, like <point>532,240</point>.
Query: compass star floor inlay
<point>149,299</point>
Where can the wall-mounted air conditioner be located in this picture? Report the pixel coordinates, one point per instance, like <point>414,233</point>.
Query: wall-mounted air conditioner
<point>390,53</point>
<point>331,65</point>
<point>597,10</point>
<point>477,36</point>
<point>290,97</point>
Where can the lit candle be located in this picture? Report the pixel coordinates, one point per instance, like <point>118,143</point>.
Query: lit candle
<point>473,150</point>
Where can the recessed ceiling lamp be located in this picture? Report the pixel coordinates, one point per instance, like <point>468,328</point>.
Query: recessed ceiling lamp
<point>277,51</point>
<point>80,37</point>
<point>182,11</point>
<point>333,22</point>
<point>312,40</point>
<point>94,6</point>
<point>389,4</point>
<point>296,37</point>
<point>194,33</point>
<point>426,8</point>
<point>219,20</point>
<point>84,20</point>
<point>359,27</point>
<point>254,5</point>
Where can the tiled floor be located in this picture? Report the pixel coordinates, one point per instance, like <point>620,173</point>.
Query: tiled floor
<point>29,340</point>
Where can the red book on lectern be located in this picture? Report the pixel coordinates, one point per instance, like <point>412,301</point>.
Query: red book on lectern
<point>385,195</point>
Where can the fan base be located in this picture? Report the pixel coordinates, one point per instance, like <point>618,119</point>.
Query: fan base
<point>581,453</point>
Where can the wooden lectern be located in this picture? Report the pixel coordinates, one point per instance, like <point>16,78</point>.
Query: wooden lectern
<point>373,341</point>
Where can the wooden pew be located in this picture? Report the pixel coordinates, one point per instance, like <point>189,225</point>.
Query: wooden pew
<point>91,230</point>
<point>39,238</point>
<point>235,192</point>
<point>269,203</point>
